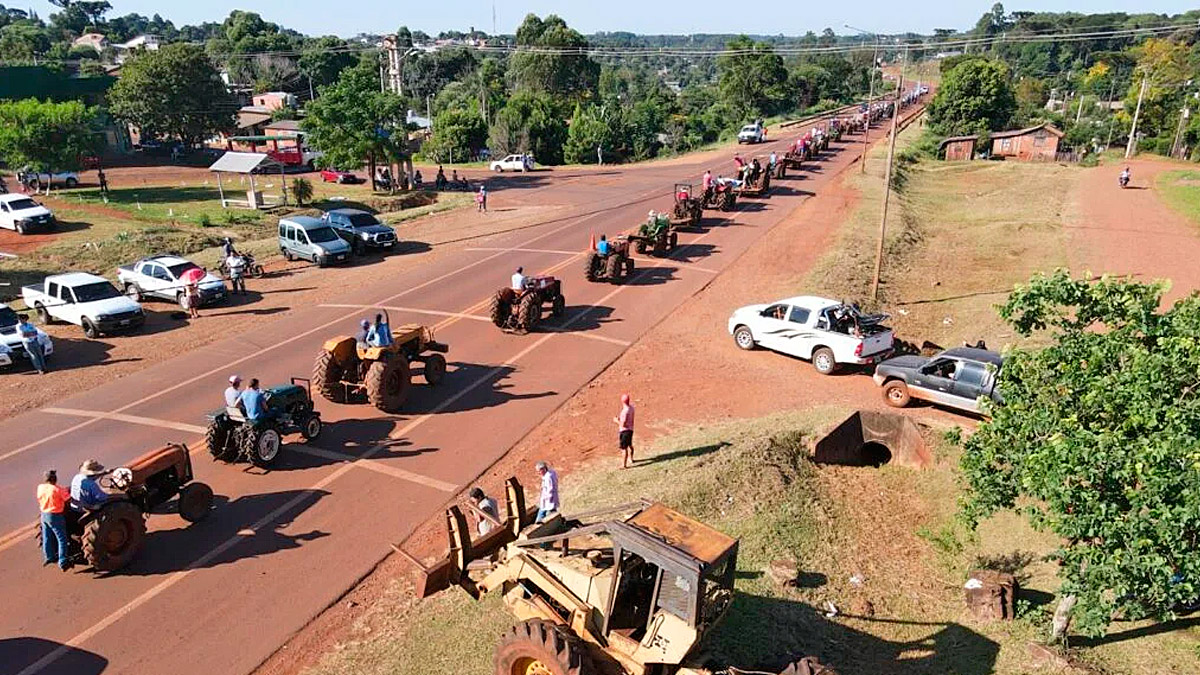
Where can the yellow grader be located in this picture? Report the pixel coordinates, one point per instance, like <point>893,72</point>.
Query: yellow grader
<point>634,590</point>
<point>348,371</point>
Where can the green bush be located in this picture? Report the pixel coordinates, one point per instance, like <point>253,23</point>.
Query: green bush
<point>303,190</point>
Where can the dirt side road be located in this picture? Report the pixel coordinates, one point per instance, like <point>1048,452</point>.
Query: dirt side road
<point>1132,231</point>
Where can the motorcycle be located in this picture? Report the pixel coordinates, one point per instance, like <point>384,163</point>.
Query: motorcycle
<point>1123,179</point>
<point>252,269</point>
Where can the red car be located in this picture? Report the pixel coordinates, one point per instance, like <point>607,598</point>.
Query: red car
<point>338,176</point>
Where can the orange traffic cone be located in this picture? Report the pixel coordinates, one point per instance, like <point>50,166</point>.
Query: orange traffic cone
<point>592,242</point>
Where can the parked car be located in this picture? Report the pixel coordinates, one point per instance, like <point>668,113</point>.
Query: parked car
<point>958,378</point>
<point>68,179</point>
<point>312,239</point>
<point>827,332</point>
<point>360,229</point>
<point>20,213</point>
<point>85,300</point>
<point>339,176</point>
<point>159,277</point>
<point>752,133</point>
<point>11,346</point>
<point>513,163</point>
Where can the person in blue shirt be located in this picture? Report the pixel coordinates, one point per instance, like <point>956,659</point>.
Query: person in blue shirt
<point>254,402</point>
<point>86,492</point>
<point>602,245</point>
<point>380,333</point>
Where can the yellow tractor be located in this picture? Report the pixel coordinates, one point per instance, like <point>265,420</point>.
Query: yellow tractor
<point>634,590</point>
<point>348,370</point>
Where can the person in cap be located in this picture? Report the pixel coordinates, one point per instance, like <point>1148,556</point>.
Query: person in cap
<point>233,392</point>
<point>52,500</point>
<point>86,493</point>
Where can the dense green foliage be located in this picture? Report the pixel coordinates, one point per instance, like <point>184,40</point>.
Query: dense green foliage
<point>47,136</point>
<point>174,92</point>
<point>352,120</point>
<point>1097,441</point>
<point>976,96</point>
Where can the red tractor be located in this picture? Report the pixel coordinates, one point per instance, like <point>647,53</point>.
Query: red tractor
<point>520,311</point>
<point>614,266</point>
<point>720,195</point>
<point>687,211</point>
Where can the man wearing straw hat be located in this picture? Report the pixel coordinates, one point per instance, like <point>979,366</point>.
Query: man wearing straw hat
<point>86,492</point>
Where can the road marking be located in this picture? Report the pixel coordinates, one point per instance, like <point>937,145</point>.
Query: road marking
<point>527,250</point>
<point>590,336</point>
<point>131,419</point>
<point>414,310</point>
<point>376,466</point>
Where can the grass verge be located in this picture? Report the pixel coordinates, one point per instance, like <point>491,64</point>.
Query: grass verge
<point>1180,189</point>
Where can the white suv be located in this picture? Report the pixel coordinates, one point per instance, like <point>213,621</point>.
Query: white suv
<point>513,163</point>
<point>752,133</point>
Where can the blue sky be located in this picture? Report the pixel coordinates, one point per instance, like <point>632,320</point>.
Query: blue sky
<point>791,17</point>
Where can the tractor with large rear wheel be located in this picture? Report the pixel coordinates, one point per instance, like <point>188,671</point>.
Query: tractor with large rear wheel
<point>614,265</point>
<point>632,589</point>
<point>109,537</point>
<point>687,211</point>
<point>350,371</point>
<point>520,311</point>
<point>232,437</point>
<point>655,235</point>
<point>720,195</point>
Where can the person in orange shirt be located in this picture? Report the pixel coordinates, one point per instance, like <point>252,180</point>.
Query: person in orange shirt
<point>52,499</point>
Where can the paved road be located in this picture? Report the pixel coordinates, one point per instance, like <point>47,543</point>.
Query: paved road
<point>220,596</point>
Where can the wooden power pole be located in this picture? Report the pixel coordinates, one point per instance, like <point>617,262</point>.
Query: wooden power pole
<point>1137,113</point>
<point>887,179</point>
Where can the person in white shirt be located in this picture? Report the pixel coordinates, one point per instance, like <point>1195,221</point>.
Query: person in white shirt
<point>237,268</point>
<point>548,499</point>
<point>233,392</point>
<point>518,279</point>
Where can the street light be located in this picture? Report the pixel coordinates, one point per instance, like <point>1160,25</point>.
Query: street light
<point>862,160</point>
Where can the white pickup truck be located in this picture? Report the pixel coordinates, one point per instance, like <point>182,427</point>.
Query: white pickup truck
<point>159,277</point>
<point>11,346</point>
<point>827,332</point>
<point>752,133</point>
<point>20,213</point>
<point>85,300</point>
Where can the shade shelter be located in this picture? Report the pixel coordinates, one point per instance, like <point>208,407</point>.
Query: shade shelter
<point>249,164</point>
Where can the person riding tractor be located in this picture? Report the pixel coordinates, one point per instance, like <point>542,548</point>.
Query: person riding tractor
<point>609,260</point>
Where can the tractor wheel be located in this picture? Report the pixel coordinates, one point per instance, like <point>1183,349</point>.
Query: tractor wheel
<point>327,378</point>
<point>530,311</point>
<point>612,268</point>
<point>195,501</point>
<point>218,437</point>
<point>823,361</point>
<point>896,394</point>
<point>387,383</point>
<point>673,241</point>
<point>592,265</point>
<point>260,445</point>
<point>500,309</point>
<point>310,427</point>
<point>114,536</point>
<point>558,307</point>
<point>640,246</point>
<point>435,369</point>
<point>628,267</point>
<point>536,647</point>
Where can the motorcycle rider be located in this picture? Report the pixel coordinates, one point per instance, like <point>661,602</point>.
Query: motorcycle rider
<point>1125,176</point>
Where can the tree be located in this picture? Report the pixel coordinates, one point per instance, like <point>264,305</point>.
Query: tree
<point>302,189</point>
<point>976,96</point>
<point>1166,66</point>
<point>752,81</point>
<point>1097,442</point>
<point>323,59</point>
<point>352,120</point>
<point>176,92</point>
<point>530,123</point>
<point>23,41</point>
<point>457,132</point>
<point>572,75</point>
<point>992,23</point>
<point>47,136</point>
<point>587,131</point>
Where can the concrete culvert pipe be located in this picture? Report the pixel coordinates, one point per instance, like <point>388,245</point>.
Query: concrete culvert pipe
<point>868,438</point>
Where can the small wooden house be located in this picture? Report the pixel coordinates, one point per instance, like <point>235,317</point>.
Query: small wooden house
<point>1034,144</point>
<point>958,148</point>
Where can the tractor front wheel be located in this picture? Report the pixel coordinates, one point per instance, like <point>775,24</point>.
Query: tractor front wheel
<point>435,369</point>
<point>310,427</point>
<point>536,647</point>
<point>195,501</point>
<point>114,536</point>
<point>387,383</point>
<point>327,378</point>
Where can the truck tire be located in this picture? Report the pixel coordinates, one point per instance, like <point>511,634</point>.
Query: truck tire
<point>89,329</point>
<point>71,183</point>
<point>435,369</point>
<point>895,392</point>
<point>500,309</point>
<point>260,445</point>
<point>43,314</point>
<point>20,228</point>
<point>628,268</point>
<point>114,536</point>
<point>529,313</point>
<point>823,361</point>
<point>133,292</point>
<point>744,338</point>
<point>327,378</point>
<point>537,646</point>
<point>674,241</point>
<point>388,383</point>
<point>195,501</point>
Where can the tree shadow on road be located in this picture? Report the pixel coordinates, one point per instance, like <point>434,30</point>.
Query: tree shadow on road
<point>211,542</point>
<point>19,653</point>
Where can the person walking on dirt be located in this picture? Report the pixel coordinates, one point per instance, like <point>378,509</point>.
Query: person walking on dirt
<point>548,499</point>
<point>518,280</point>
<point>440,180</point>
<point>487,505</point>
<point>86,493</point>
<point>624,420</point>
<point>233,392</point>
<point>52,500</point>
<point>481,199</point>
<point>1123,179</point>
<point>3,185</point>
<point>32,343</point>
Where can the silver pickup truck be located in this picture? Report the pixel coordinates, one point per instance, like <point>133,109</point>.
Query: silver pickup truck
<point>957,378</point>
<point>161,277</point>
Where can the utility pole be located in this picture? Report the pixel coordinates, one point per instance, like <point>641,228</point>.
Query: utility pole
<point>862,160</point>
<point>1137,113</point>
<point>1112,90</point>
<point>311,95</point>
<point>1183,117</point>
<point>887,180</point>
<point>1079,111</point>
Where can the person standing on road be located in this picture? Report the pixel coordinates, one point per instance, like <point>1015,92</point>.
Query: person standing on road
<point>236,265</point>
<point>86,493</point>
<point>233,392</point>
<point>254,401</point>
<point>624,420</point>
<point>548,499</point>
<point>518,280</point>
<point>487,505</point>
<point>192,299</point>
<point>481,199</point>
<point>32,343</point>
<point>52,500</point>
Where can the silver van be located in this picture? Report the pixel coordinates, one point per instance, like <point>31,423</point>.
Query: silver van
<point>309,238</point>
